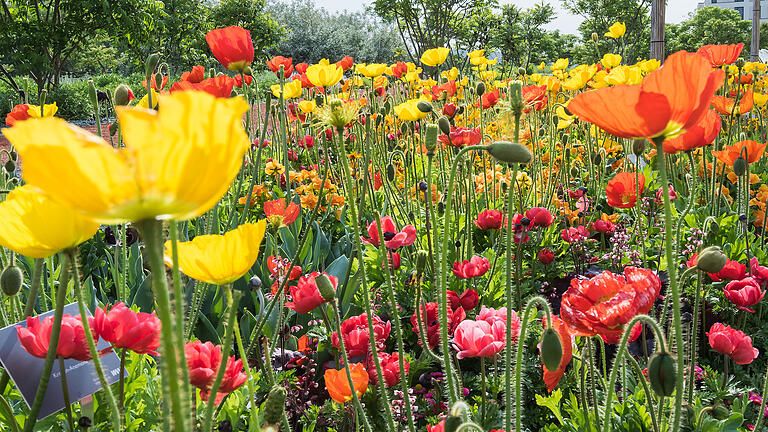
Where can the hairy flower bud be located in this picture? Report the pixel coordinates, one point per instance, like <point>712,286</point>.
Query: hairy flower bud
<point>430,137</point>
<point>516,103</point>
<point>122,95</point>
<point>480,89</point>
<point>324,285</point>
<point>424,106</point>
<point>711,260</point>
<point>505,151</point>
<point>275,405</point>
<point>551,350</point>
<point>662,373</point>
<point>151,64</point>
<point>444,124</point>
<point>10,280</point>
<point>739,166</point>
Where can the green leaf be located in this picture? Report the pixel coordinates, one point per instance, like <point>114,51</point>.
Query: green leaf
<point>553,403</point>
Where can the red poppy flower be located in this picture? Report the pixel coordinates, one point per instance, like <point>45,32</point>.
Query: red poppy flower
<point>394,259</point>
<point>573,234</point>
<point>355,333</point>
<point>490,219</point>
<point>239,80</point>
<point>399,69</point>
<point>390,368</point>
<point>280,215</point>
<point>490,99</point>
<point>727,106</point>
<point>539,217</point>
<point>232,47</point>
<point>124,328</point>
<point>461,137</point>
<point>603,304</point>
<point>551,378</point>
<point>36,336</point>
<point>467,300</point>
<point>449,109</point>
<point>277,61</point>
<point>744,293</point>
<point>431,323</point>
<point>153,81</point>
<point>719,55</point>
<point>535,97</point>
<point>700,135</point>
<point>472,268</point>
<point>759,272</point>
<point>733,270</point>
<point>234,377</point>
<point>196,76</point>
<point>447,89</point>
<point>670,100</point>
<point>621,191</point>
<point>306,296</point>
<point>729,154</point>
<point>545,256</point>
<point>733,343</point>
<point>345,63</point>
<point>18,113</point>
<point>301,68</point>
<point>220,87</point>
<point>603,226</point>
<point>203,360</point>
<point>393,238</point>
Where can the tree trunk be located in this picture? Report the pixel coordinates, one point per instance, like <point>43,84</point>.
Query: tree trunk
<point>755,45</point>
<point>658,9</point>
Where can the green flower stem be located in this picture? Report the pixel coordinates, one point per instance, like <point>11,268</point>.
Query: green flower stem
<point>248,384</point>
<point>760,412</point>
<point>7,411</point>
<point>178,300</point>
<point>173,391</point>
<point>519,361</point>
<point>234,301</point>
<point>694,335</point>
<point>443,275</point>
<point>648,395</point>
<point>508,299</point>
<point>45,376</point>
<point>256,162</point>
<point>622,348</point>
<point>65,391</point>
<point>592,372</point>
<point>482,389</point>
<point>350,381</point>
<point>116,424</point>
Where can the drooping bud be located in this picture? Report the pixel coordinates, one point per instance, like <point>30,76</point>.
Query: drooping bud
<point>151,64</point>
<point>505,151</point>
<point>711,260</point>
<point>390,172</point>
<point>452,423</point>
<point>10,167</point>
<point>10,280</point>
<point>324,285</point>
<point>254,283</point>
<point>662,373</point>
<point>424,106</point>
<point>274,406</point>
<point>739,166</point>
<point>430,137</point>
<point>594,37</point>
<point>248,71</point>
<point>551,350</point>
<point>387,106</point>
<point>480,89</point>
<point>444,124</point>
<point>638,147</point>
<point>521,71</point>
<point>421,261</point>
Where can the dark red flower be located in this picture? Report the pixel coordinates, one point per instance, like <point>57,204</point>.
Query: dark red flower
<point>239,80</point>
<point>490,219</point>
<point>306,296</point>
<point>759,272</point>
<point>356,337</point>
<point>449,109</point>
<point>472,268</point>
<point>733,343</point>
<point>603,304</point>
<point>220,87</point>
<point>232,47</point>
<point>393,238</point>
<point>733,270</point>
<point>744,293</point>
<point>394,260</point>
<point>36,336</point>
<point>468,300</point>
<point>124,328</point>
<point>545,256</point>
<point>431,323</point>
<point>390,368</point>
<point>301,68</point>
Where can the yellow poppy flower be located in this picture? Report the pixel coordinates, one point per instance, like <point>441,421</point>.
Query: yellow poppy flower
<point>290,89</point>
<point>324,75</point>
<point>541,66</point>
<point>49,110</point>
<point>435,56</point>
<point>144,102</point>
<point>611,60</point>
<point>565,119</point>
<point>617,30</point>
<point>307,106</point>
<point>560,64</point>
<point>219,259</point>
<point>380,81</point>
<point>409,111</point>
<point>177,163</point>
<point>648,66</point>
<point>371,70</point>
<point>36,226</point>
<point>760,99</point>
<point>477,61</point>
<point>476,53</point>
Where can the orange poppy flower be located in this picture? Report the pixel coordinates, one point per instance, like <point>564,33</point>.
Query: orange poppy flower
<point>280,215</point>
<point>552,378</point>
<point>669,101</point>
<point>729,154</point>
<point>603,304</point>
<point>725,106</point>
<point>232,47</point>
<point>220,87</point>
<point>277,61</point>
<point>699,135</point>
<point>337,384</point>
<point>621,190</point>
<point>719,55</point>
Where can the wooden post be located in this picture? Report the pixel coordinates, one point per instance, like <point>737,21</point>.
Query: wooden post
<point>658,9</point>
<point>755,45</point>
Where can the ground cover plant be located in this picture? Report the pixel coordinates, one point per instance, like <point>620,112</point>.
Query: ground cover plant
<point>369,246</point>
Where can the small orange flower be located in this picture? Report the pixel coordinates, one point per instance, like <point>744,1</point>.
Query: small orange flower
<point>309,200</point>
<point>337,384</point>
<point>280,215</point>
<point>726,106</point>
<point>621,190</point>
<point>729,155</point>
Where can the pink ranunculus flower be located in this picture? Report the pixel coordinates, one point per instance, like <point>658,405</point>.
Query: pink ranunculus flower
<point>744,293</point>
<point>733,343</point>
<point>479,338</point>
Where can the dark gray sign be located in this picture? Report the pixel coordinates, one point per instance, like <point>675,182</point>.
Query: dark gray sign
<point>25,369</point>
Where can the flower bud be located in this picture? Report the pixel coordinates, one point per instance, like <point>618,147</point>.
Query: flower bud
<point>84,422</point>
<point>662,373</point>
<point>739,166</point>
<point>248,71</point>
<point>387,106</point>
<point>452,423</point>
<point>638,147</point>
<point>720,412</point>
<point>113,128</point>
<point>421,261</point>
<point>480,89</point>
<point>390,172</point>
<point>10,280</point>
<point>740,63</point>
<point>711,260</point>
<point>151,64</point>
<point>521,71</point>
<point>594,37</point>
<point>430,137</point>
<point>10,167</point>
<point>516,103</point>
<point>274,406</point>
<point>424,106</point>
<point>508,152</point>
<point>122,95</point>
<point>94,98</point>
<point>444,124</point>
<point>324,285</point>
<point>254,283</point>
<point>551,350</point>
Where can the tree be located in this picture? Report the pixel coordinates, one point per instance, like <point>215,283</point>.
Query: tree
<point>520,35</point>
<point>710,25</point>
<point>251,15</point>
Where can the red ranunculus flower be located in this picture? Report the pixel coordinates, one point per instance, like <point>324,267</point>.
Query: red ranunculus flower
<point>196,76</point>
<point>744,293</point>
<point>393,239</point>
<point>603,226</point>
<point>232,47</point>
<point>545,256</point>
<point>36,336</point>
<point>552,378</point>
<point>719,55</point>
<point>277,61</point>
<point>490,219</point>
<point>306,296</point>
<point>539,217</point>
<point>390,368</point>
<point>573,234</point>
<point>603,304</point>
<point>479,338</point>
<point>733,343</point>
<point>124,328</point>
<point>18,113</point>
<point>621,191</point>
<point>355,333</point>
<point>234,377</point>
<point>733,270</point>
<point>431,323</point>
<point>280,215</point>
<point>472,268</point>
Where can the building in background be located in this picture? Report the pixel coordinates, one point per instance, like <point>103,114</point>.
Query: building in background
<point>743,7</point>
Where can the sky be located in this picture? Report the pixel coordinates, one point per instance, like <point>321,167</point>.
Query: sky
<point>677,10</point>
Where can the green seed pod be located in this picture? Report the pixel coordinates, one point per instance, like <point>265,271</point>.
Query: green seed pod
<point>390,172</point>
<point>720,412</point>
<point>9,166</point>
<point>551,350</point>
<point>508,152</point>
<point>421,261</point>
<point>113,129</point>
<point>711,260</point>
<point>480,89</point>
<point>662,373</point>
<point>387,106</point>
<point>739,166</point>
<point>444,124</point>
<point>151,64</point>
<point>597,159</point>
<point>424,106</point>
<point>94,98</point>
<point>10,280</point>
<point>516,103</point>
<point>430,138</point>
<point>274,406</point>
<point>638,147</point>
<point>122,95</point>
<point>324,285</point>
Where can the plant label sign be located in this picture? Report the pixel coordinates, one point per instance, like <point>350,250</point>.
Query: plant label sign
<point>25,369</point>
